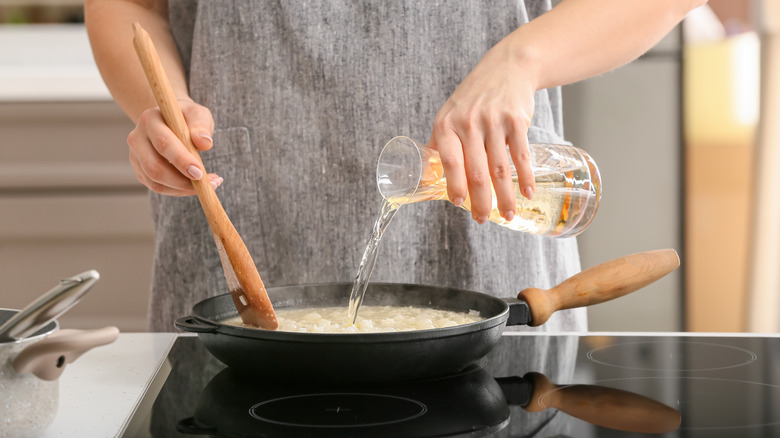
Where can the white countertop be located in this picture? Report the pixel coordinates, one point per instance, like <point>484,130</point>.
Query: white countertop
<point>48,62</point>
<point>100,390</point>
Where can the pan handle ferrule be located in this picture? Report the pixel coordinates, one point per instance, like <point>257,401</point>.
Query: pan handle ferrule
<point>519,312</point>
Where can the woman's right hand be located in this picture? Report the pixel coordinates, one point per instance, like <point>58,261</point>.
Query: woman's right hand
<point>161,161</point>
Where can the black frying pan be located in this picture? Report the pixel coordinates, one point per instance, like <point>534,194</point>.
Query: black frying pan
<point>410,355</point>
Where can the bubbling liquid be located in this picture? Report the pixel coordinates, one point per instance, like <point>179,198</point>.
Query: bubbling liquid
<point>372,319</point>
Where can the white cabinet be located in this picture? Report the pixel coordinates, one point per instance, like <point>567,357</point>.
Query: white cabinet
<point>69,202</point>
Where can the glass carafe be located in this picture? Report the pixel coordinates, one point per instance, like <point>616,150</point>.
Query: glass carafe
<point>566,198</point>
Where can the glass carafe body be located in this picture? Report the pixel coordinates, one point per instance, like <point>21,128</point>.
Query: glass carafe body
<point>565,201</point>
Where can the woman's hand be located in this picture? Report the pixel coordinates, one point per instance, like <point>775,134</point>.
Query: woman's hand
<point>490,110</point>
<point>161,162</point>
<point>493,106</point>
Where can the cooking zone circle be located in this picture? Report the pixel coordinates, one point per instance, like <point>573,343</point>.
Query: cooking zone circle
<point>338,410</point>
<point>678,356</point>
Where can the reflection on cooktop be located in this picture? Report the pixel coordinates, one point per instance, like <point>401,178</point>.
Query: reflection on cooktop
<point>739,402</point>
<point>529,385</point>
<point>235,405</point>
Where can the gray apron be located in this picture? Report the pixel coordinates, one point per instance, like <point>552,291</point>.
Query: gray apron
<point>304,95</point>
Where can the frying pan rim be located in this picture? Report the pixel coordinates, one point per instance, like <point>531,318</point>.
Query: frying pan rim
<point>374,337</point>
<point>350,338</point>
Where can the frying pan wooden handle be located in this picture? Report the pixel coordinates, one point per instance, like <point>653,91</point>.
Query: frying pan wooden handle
<point>603,282</point>
<point>258,309</point>
<point>603,406</point>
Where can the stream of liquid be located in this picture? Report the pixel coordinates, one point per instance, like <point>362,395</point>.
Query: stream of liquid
<point>369,258</point>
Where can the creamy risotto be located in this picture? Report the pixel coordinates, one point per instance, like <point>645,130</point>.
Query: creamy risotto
<point>371,319</point>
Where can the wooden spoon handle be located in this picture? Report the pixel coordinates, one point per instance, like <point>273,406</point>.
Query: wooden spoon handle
<point>603,282</point>
<point>251,299</point>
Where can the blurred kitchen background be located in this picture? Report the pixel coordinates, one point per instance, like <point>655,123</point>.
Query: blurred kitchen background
<point>684,138</point>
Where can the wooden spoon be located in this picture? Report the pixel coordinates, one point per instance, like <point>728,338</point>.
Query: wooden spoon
<point>246,286</point>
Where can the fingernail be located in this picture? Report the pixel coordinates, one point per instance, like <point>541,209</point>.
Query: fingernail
<point>195,172</point>
<point>207,137</point>
<point>216,182</point>
<point>528,191</point>
<point>457,201</point>
<point>509,215</point>
<point>481,220</point>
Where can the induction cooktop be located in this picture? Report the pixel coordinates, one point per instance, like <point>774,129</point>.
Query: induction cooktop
<point>530,385</point>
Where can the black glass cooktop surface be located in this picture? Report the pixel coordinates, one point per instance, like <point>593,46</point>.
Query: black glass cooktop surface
<point>528,386</point>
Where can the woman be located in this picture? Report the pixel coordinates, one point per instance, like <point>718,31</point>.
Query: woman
<point>297,99</point>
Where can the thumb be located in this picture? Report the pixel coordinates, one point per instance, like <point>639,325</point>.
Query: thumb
<point>201,125</point>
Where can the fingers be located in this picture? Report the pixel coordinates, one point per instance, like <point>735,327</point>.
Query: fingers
<point>450,149</point>
<point>489,111</point>
<point>161,161</point>
<point>477,163</point>
<point>501,173</point>
<point>161,177</point>
<point>519,149</point>
<point>477,176</point>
